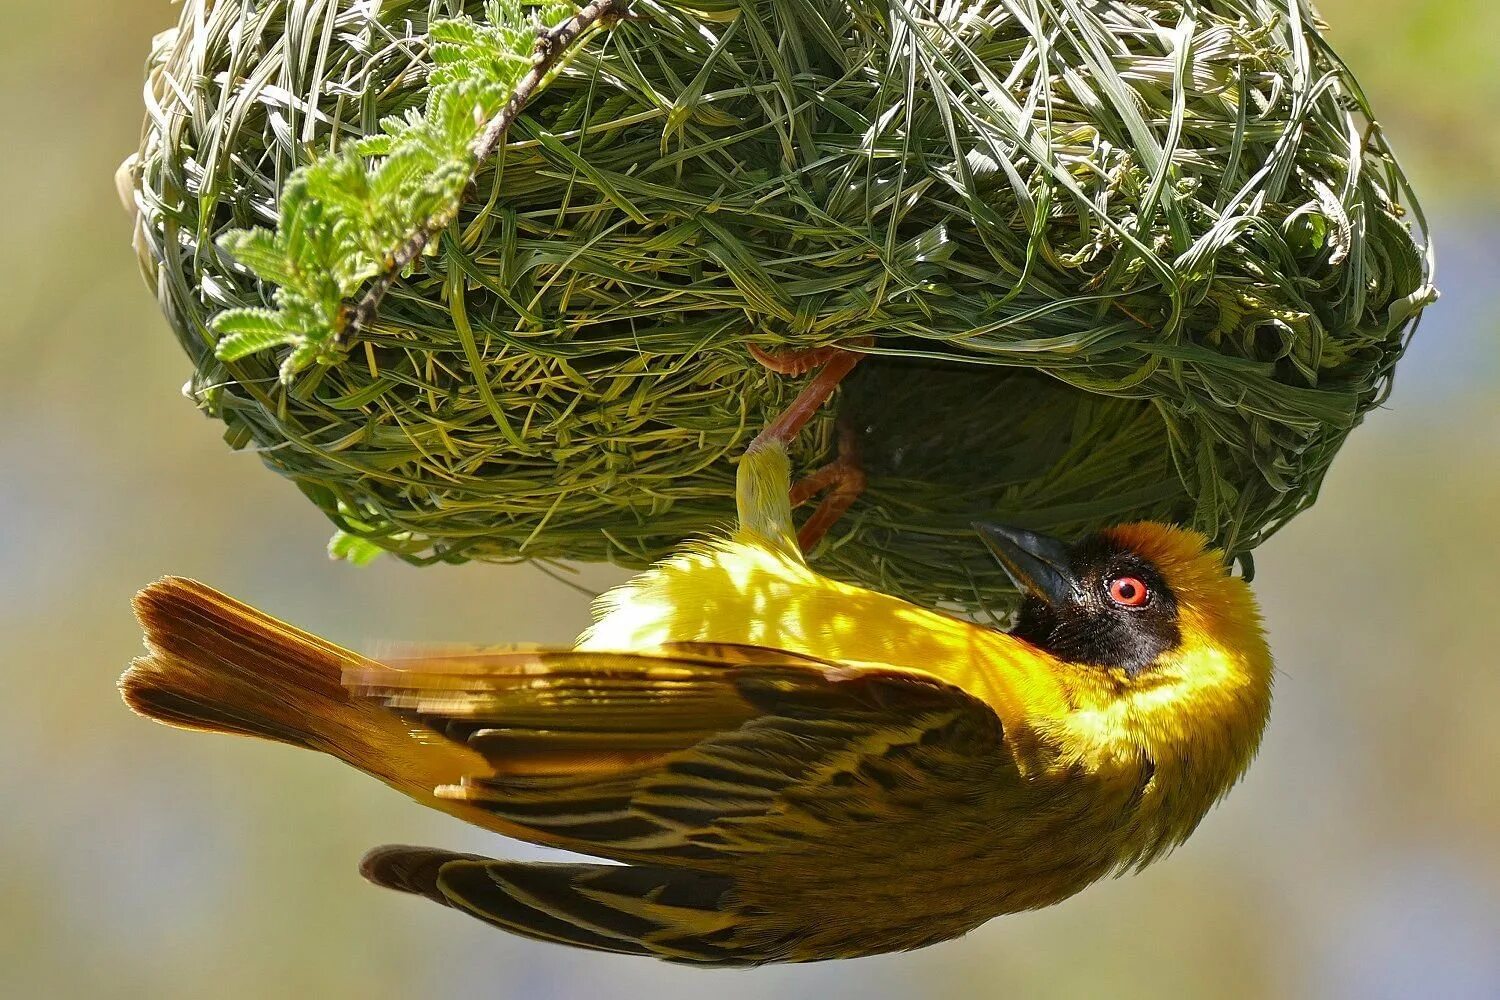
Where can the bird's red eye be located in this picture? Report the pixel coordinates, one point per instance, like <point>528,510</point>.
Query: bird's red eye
<point>1128,591</point>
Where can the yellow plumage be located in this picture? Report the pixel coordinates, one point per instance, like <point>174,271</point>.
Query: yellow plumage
<point>755,587</point>
<point>790,767</point>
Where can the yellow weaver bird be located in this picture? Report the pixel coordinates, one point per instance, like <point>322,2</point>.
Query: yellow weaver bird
<point>789,767</point>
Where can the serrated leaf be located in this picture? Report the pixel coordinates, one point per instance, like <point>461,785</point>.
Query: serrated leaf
<point>239,345</point>
<point>374,145</point>
<point>233,321</point>
<point>303,356</point>
<point>258,251</point>
<point>343,217</point>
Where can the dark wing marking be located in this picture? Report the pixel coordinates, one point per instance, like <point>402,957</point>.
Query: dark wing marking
<point>674,755</point>
<point>674,914</point>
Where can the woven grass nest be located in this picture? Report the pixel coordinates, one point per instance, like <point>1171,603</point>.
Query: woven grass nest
<point>1117,260</point>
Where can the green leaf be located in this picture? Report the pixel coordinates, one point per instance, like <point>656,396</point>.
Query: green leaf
<point>303,356</point>
<point>245,331</point>
<point>240,321</point>
<point>353,549</point>
<point>344,216</point>
<point>258,250</point>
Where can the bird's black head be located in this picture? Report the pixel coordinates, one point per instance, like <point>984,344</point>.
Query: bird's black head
<point>1096,602</point>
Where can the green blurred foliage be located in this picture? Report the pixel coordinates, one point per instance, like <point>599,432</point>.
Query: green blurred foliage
<point>1430,69</point>
<point>1361,858</point>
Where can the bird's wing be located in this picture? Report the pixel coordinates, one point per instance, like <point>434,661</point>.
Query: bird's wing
<point>676,754</point>
<point>671,913</point>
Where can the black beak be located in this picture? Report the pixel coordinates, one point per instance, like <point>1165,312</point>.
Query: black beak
<point>1037,564</point>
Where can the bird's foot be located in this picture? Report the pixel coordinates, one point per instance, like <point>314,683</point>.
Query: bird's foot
<point>837,362</point>
<point>840,481</point>
<point>792,361</point>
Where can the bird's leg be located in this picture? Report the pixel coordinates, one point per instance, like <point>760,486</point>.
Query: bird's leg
<point>837,363</point>
<point>842,478</point>
<point>789,424</point>
<point>840,481</point>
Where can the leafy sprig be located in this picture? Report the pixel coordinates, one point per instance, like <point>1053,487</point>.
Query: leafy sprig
<point>366,212</point>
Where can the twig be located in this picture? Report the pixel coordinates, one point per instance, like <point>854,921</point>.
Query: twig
<point>551,45</point>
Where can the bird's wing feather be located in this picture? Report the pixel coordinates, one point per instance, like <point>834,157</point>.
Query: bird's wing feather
<point>523,704</point>
<point>677,753</point>
<point>669,913</point>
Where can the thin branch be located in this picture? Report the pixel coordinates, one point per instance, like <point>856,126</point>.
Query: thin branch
<point>551,46</point>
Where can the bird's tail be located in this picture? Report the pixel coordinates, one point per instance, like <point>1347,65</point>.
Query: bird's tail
<point>216,665</point>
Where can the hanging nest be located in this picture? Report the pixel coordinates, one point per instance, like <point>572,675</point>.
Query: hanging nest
<point>1118,260</point>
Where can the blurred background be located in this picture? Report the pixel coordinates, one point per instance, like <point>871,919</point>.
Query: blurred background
<point>1360,859</point>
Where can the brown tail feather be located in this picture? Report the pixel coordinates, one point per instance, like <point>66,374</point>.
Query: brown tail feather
<point>217,665</point>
